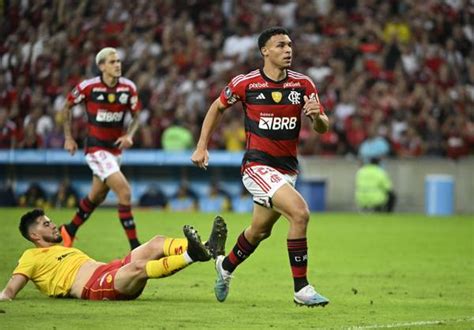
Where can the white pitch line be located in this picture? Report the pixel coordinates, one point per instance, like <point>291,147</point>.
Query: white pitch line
<point>408,324</point>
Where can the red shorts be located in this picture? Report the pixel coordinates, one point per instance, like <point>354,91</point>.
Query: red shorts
<point>101,284</point>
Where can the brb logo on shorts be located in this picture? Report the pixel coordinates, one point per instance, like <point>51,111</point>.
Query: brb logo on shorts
<point>108,117</point>
<point>277,123</point>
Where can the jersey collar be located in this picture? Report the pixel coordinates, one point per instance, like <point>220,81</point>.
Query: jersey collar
<point>271,80</point>
<point>103,82</point>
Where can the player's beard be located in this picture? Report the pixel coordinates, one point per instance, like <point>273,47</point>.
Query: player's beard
<point>53,239</point>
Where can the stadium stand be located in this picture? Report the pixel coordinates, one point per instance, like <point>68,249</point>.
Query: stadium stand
<point>403,68</point>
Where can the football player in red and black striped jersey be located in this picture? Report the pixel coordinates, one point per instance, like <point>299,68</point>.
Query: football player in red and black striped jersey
<point>107,99</point>
<point>273,98</point>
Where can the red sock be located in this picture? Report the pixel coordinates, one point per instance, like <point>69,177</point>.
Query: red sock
<point>298,254</point>
<point>239,253</point>
<point>84,211</point>
<point>128,224</point>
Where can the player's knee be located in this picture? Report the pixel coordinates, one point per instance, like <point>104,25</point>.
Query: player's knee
<point>124,193</point>
<point>138,266</point>
<point>156,243</point>
<point>300,216</point>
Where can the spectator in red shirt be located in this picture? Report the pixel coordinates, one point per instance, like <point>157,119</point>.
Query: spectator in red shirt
<point>456,145</point>
<point>409,144</point>
<point>355,134</point>
<point>7,130</point>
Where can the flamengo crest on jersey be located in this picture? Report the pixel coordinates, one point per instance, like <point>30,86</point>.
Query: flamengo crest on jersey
<point>272,116</point>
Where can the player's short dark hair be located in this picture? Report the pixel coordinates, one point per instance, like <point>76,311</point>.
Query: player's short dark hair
<point>27,220</point>
<point>270,32</point>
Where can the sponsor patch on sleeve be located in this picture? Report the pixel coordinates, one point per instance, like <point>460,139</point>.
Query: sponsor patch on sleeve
<point>227,92</point>
<point>75,92</point>
<point>229,96</point>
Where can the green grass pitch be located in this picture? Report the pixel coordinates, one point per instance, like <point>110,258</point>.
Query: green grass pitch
<point>399,271</point>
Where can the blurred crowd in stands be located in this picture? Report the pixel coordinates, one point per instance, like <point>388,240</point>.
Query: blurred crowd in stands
<point>396,76</point>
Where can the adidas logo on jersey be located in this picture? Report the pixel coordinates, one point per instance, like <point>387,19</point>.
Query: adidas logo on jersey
<point>100,97</point>
<point>261,96</point>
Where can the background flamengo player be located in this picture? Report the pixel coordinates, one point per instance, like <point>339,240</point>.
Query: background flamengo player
<point>273,99</point>
<point>107,98</point>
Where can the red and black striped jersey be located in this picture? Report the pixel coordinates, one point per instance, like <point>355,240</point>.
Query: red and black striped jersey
<point>106,108</point>
<point>272,116</point>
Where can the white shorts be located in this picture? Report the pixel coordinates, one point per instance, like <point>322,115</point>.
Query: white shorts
<point>263,181</point>
<point>103,163</point>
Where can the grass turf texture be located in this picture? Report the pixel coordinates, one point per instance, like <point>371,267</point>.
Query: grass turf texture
<point>387,270</point>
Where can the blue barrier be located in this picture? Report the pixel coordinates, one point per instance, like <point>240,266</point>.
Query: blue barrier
<point>314,192</point>
<point>130,157</point>
<point>439,195</point>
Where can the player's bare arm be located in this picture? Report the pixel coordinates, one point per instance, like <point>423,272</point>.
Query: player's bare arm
<point>69,142</point>
<point>200,156</point>
<point>126,140</point>
<point>312,109</point>
<point>16,283</point>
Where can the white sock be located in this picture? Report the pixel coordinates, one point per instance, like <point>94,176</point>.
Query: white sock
<point>187,257</point>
